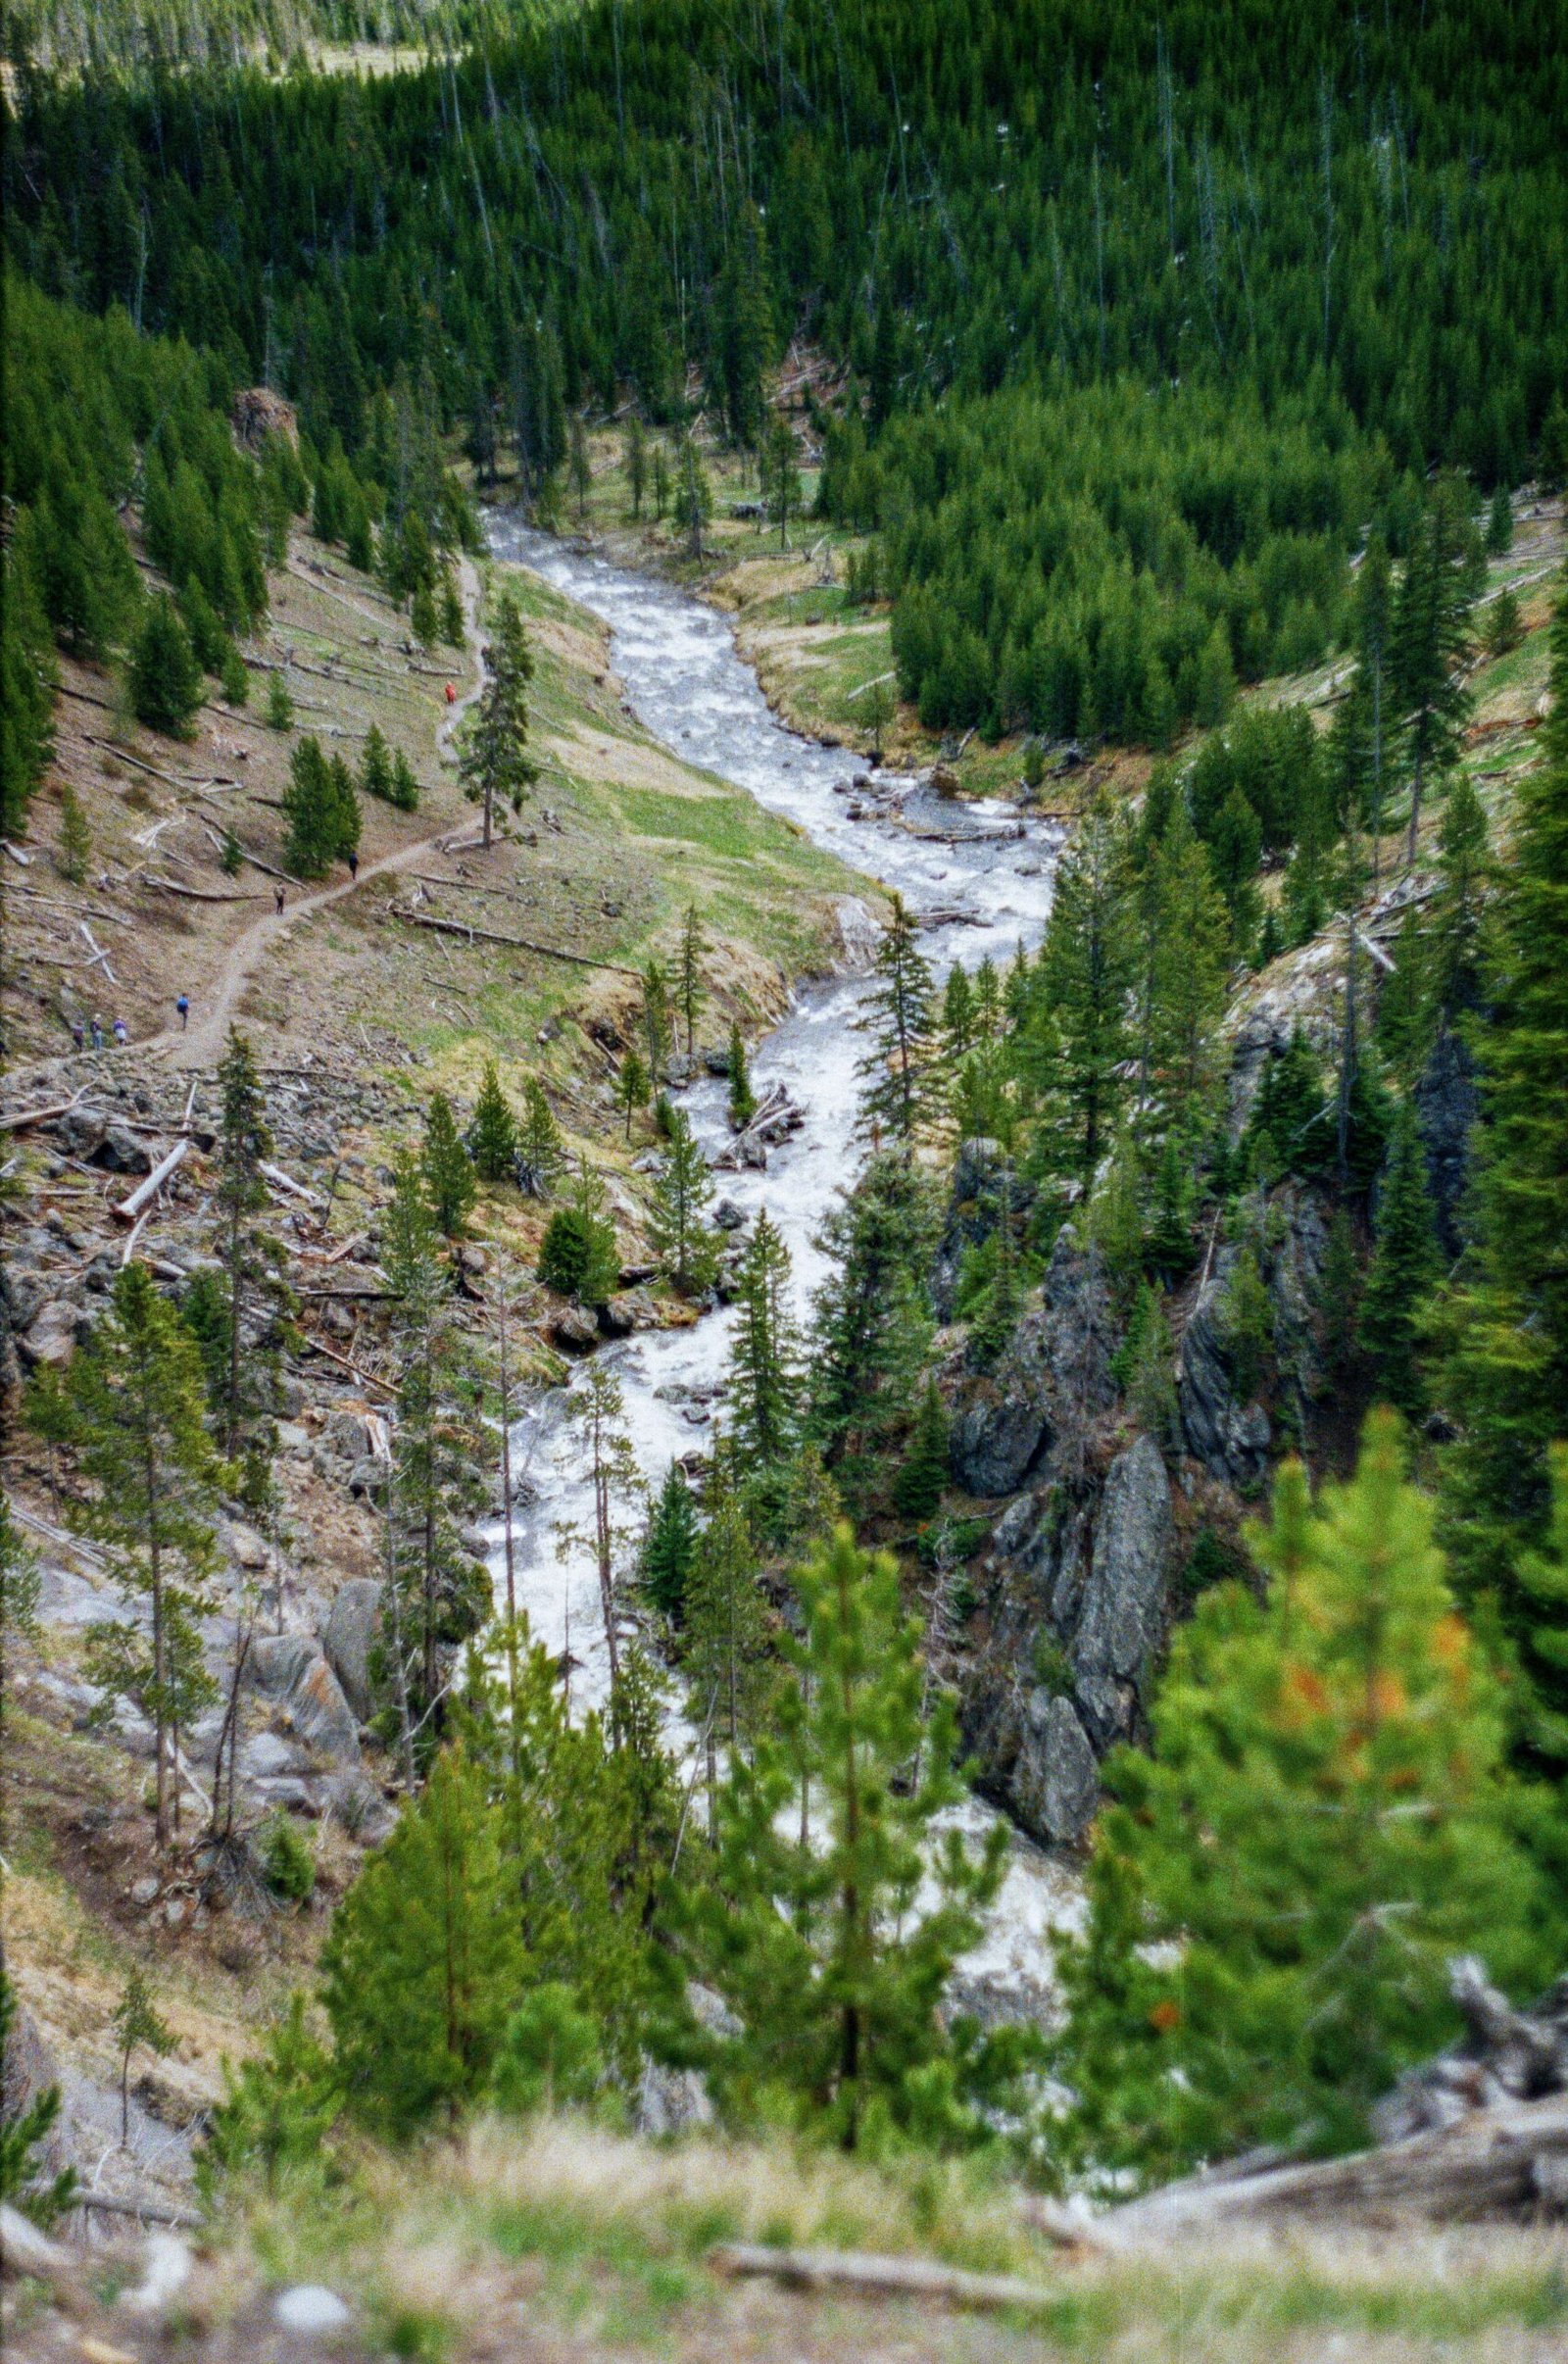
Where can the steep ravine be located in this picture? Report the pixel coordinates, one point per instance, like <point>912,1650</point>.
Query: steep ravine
<point>980,883</point>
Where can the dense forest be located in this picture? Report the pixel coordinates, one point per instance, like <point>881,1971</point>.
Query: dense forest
<point>1301,258</point>
<point>1151,357</point>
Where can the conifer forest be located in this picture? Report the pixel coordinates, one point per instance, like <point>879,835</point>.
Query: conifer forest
<point>784,1180</point>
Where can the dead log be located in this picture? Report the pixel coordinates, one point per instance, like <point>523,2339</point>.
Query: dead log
<point>874,2277</point>
<point>488,935</point>
<point>1509,2161</point>
<point>314,1347</point>
<point>170,886</point>
<point>20,1118</point>
<point>145,1192</point>
<point>286,1182</point>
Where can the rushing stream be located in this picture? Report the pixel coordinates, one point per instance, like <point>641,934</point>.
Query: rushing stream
<point>984,883</point>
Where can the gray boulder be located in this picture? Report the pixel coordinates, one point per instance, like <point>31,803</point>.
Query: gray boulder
<point>1056,1783</point>
<point>575,1328</point>
<point>54,1334</point>
<point>348,1636</point>
<point>1230,1438</point>
<point>123,1151</point>
<point>1051,1382</point>
<point>291,1672</point>
<point>1123,1614</point>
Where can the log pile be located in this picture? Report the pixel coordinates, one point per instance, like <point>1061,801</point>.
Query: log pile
<point>777,1116</point>
<point>1479,2134</point>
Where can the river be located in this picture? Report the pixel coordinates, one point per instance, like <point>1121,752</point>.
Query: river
<point>983,883</point>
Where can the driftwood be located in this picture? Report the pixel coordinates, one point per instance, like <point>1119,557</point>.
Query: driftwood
<point>489,935</point>
<point>145,2212</point>
<point>171,886</point>
<point>880,2277</point>
<point>1481,2132</point>
<point>314,1347</point>
<point>286,1182</point>
<point>20,1118</point>
<point>145,1192</point>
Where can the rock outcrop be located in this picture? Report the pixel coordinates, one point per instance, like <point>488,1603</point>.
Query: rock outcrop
<point>1052,1383</point>
<point>291,1672</point>
<point>348,1638</point>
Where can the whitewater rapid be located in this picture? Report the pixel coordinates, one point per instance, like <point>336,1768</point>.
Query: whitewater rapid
<point>983,884</point>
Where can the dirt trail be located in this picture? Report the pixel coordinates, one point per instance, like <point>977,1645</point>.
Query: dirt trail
<point>200,1044</point>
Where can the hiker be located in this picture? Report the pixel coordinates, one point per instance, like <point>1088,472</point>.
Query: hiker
<point>452,694</point>
<point>79,1034</point>
<point>183,1006</point>
<point>97,1031</point>
<point>353,863</point>
<point>122,1033</point>
<point>278,901</point>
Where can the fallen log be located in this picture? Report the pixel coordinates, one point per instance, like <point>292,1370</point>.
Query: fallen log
<point>171,886</point>
<point>145,1192</point>
<point>286,1182</point>
<point>880,2277</point>
<point>145,2212</point>
<point>314,1347</point>
<point>489,935</point>
<point>20,1118</point>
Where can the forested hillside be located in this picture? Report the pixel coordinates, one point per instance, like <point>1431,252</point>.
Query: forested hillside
<point>830,1470</point>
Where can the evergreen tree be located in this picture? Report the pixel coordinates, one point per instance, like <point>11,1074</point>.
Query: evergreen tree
<point>1499,523</point>
<point>1454,940</point>
<point>741,1098</point>
<point>1077,1023</point>
<point>782,477</point>
<point>139,2025</point>
<point>694,498</point>
<point>597,1410</point>
<point>682,1241</point>
<point>495,764</point>
<point>690,991</point>
<point>492,1141</point>
<point>424,1961</point>
<point>166,681</point>
<point>833,1968</point>
<point>132,1408</point>
<point>405,790</point>
<point>435,1594</point>
<point>1403,1026</point>
<point>577,1256</point>
<point>958,1017</point>
<point>25,2183</point>
<point>579,467</point>
<point>1429,641</point>
<point>635,461</point>
<point>631,1084</point>
<point>322,811</point>
<point>1507,1380</point>
<point>724,1632</point>
<point>1151,1382</point>
<point>249,1256</point>
<point>1339,1297</point>
<point>75,850</point>
<point>764,1375</point>
<point>541,1152</point>
<point>447,1170</point>
<point>1187,968</point>
<point>668,1552</point>
<point>1278,1891</point>
<point>279,705</point>
<point>899,1017</point>
<point>376,766</point>
<point>655,1022</point>
<point>1506,623</point>
<point>871,1321</point>
<point>922,1478</point>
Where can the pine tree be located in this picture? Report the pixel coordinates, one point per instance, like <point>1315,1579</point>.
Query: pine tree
<point>655,1022</point>
<point>495,766</point>
<point>668,1551</point>
<point>690,991</point>
<point>1338,1297</point>
<point>1404,1270</point>
<point>631,1084</point>
<point>1078,1008</point>
<point>1429,641</point>
<point>899,1017</point>
<point>76,838</point>
<point>1507,1380</point>
<point>782,477</point>
<point>447,1170</point>
<point>724,1633</point>
<point>132,1408</point>
<point>871,1320</point>
<point>138,2026</point>
<point>1454,940</point>
<point>404,792</point>
<point>635,458</point>
<point>165,681</point>
<point>681,1238</point>
<point>878,713</point>
<point>424,621</point>
<point>376,766</point>
<point>1188,969</point>
<point>1499,523</point>
<point>424,1961</point>
<point>25,2183</point>
<point>832,1967</point>
<point>579,467</point>
<point>322,809</point>
<point>1279,1889</point>
<point>694,498</point>
<point>922,1478</point>
<point>958,1017</point>
<point>764,1375</point>
<point>1506,623</point>
<point>541,1152</point>
<point>741,1098</point>
<point>492,1138</point>
<point>1151,1383</point>
<point>596,1411</point>
<point>279,705</point>
<point>436,1594</point>
<point>250,1258</point>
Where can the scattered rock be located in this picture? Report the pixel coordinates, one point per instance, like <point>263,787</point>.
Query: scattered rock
<point>575,1328</point>
<point>123,1151</point>
<point>54,1335</point>
<point>1057,1784</point>
<point>311,2310</point>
